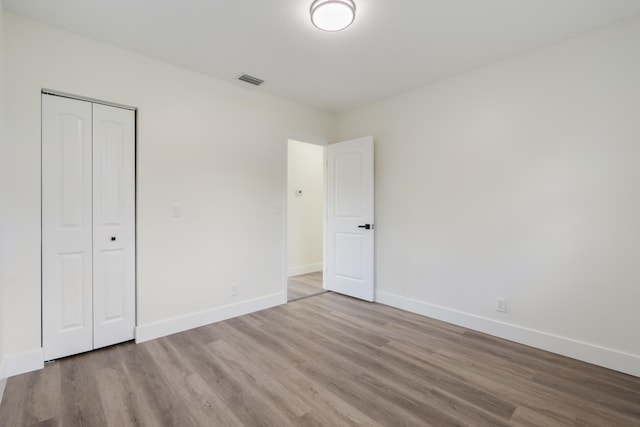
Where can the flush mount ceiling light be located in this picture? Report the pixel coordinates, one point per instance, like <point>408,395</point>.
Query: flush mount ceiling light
<point>333,15</point>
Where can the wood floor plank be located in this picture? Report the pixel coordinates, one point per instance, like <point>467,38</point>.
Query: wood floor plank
<point>240,399</point>
<point>115,396</point>
<point>257,379</point>
<point>329,408</point>
<point>255,403</point>
<point>343,343</point>
<point>304,286</point>
<point>526,417</point>
<point>516,389</point>
<point>80,403</point>
<point>12,409</point>
<point>146,379</point>
<point>208,368</point>
<point>207,406</point>
<point>357,393</point>
<point>386,376</point>
<point>41,390</point>
<point>354,376</point>
<point>326,360</point>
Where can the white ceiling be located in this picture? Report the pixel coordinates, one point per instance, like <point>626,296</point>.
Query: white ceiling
<point>392,47</point>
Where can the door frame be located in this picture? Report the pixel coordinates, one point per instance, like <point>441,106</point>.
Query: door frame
<point>285,207</point>
<point>45,91</point>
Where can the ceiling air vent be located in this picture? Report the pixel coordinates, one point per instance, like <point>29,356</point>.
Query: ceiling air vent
<point>251,80</point>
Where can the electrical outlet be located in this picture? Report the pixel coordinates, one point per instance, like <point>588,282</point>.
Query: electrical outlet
<point>234,290</point>
<point>501,305</point>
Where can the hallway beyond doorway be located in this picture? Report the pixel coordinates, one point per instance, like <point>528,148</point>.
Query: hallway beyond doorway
<point>304,285</point>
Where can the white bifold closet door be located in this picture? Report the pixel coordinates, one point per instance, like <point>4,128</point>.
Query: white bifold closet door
<point>88,225</point>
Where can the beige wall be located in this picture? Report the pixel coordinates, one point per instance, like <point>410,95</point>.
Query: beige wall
<point>2,196</point>
<point>518,180</point>
<point>305,212</point>
<point>215,149</point>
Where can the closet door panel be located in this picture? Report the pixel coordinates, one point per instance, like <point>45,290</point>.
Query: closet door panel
<point>113,224</point>
<point>66,227</point>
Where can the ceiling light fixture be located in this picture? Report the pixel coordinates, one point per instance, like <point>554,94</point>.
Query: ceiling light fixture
<point>332,15</point>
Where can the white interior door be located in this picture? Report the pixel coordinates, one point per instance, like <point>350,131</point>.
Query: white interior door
<point>350,217</point>
<point>66,227</point>
<point>88,220</point>
<point>113,225</point>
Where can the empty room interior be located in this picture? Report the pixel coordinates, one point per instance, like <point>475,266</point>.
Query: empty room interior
<point>329,212</point>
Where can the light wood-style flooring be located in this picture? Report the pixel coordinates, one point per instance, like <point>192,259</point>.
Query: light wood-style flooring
<point>328,360</point>
<point>304,286</point>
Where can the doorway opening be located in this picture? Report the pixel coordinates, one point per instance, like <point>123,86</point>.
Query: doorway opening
<point>305,219</point>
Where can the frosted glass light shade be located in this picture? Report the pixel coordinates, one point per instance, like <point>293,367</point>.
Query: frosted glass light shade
<point>333,15</point>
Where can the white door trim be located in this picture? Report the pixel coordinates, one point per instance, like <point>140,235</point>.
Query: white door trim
<point>86,98</point>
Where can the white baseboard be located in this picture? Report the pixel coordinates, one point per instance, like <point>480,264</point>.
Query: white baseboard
<point>590,353</point>
<point>195,320</point>
<point>24,362</point>
<point>304,269</point>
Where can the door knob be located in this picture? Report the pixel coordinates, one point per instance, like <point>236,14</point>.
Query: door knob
<point>366,226</point>
<point>113,238</point>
